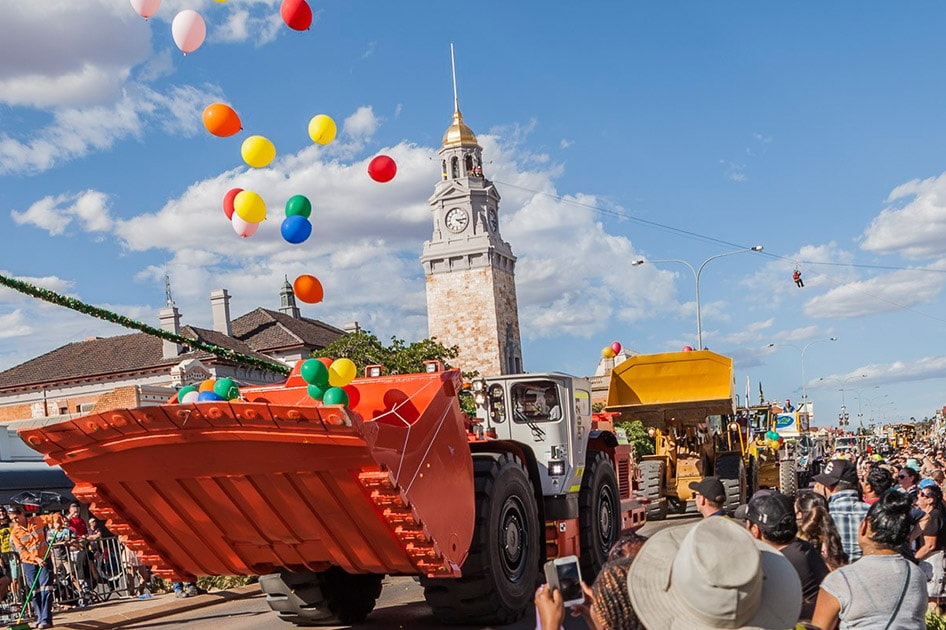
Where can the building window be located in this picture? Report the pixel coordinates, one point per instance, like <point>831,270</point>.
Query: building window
<point>63,411</point>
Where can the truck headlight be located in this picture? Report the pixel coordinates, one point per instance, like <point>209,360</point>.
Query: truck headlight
<point>556,468</point>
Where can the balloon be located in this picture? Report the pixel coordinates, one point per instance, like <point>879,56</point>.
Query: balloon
<point>314,372</point>
<point>228,201</point>
<point>226,389</point>
<point>326,361</point>
<point>316,392</point>
<point>616,346</point>
<point>607,352</point>
<point>206,386</point>
<point>145,8</point>
<point>184,391</point>
<point>221,120</point>
<point>342,372</point>
<point>322,129</point>
<point>296,229</point>
<point>296,14</point>
<point>335,396</point>
<point>190,396</point>
<point>243,228</point>
<point>688,348</point>
<point>249,206</point>
<point>308,289</point>
<point>258,151</point>
<point>206,396</point>
<point>353,395</point>
<point>188,30</point>
<point>382,169</point>
<point>298,205</point>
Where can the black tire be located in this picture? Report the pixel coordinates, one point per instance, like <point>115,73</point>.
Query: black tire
<point>333,597</point>
<point>731,471</point>
<point>501,572</point>
<point>652,474</point>
<point>598,512</point>
<point>752,476</point>
<point>788,477</point>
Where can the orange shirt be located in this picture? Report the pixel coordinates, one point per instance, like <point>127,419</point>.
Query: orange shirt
<point>30,540</point>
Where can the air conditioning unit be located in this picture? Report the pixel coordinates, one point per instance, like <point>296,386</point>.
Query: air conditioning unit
<point>86,407</point>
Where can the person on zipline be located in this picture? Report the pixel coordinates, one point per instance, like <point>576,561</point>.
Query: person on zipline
<point>797,278</point>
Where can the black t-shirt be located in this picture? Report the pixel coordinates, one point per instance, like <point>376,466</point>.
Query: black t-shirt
<point>936,526</point>
<point>811,570</point>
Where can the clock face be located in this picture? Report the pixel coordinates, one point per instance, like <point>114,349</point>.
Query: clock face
<point>492,219</point>
<point>456,220</point>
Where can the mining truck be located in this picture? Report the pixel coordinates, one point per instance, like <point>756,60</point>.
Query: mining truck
<point>767,467</point>
<point>686,402</point>
<point>322,501</point>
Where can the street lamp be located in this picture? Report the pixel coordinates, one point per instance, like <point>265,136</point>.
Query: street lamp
<point>860,416</point>
<point>804,391</point>
<point>844,418</point>
<point>696,276</point>
<point>870,405</point>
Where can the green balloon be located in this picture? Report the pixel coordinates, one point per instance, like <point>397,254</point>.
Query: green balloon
<point>316,392</point>
<point>314,372</point>
<point>226,389</point>
<point>298,205</point>
<point>335,396</point>
<point>182,391</point>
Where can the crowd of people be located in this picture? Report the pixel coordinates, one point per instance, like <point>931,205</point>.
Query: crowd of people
<point>863,548</point>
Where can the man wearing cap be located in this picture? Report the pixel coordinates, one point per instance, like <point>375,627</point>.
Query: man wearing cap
<point>839,483</point>
<point>770,517</point>
<point>28,539</point>
<point>710,496</point>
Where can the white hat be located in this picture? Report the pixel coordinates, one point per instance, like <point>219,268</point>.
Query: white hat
<point>713,574</point>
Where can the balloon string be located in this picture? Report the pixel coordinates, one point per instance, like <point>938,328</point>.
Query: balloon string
<point>127,322</point>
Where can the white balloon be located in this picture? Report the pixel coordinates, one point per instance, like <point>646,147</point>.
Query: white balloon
<point>190,397</point>
<point>188,30</point>
<point>145,8</point>
<point>243,228</point>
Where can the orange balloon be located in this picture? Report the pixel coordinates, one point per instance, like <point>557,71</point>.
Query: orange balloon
<point>207,386</point>
<point>221,120</point>
<point>308,289</point>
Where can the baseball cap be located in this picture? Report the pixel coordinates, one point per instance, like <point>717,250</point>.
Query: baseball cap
<point>711,488</point>
<point>912,463</point>
<point>771,511</point>
<point>926,482</point>
<point>14,509</point>
<point>837,470</point>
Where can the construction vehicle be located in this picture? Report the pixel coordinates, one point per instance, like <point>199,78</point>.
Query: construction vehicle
<point>769,466</point>
<point>323,501</point>
<point>685,399</point>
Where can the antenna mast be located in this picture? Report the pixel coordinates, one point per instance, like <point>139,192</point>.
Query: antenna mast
<point>453,67</point>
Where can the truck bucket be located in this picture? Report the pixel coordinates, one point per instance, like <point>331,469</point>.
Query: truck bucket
<point>685,386</point>
<point>277,480</point>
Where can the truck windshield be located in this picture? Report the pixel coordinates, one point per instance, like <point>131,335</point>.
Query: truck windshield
<point>536,401</point>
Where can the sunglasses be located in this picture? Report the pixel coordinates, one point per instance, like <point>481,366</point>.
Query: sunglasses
<point>901,476</point>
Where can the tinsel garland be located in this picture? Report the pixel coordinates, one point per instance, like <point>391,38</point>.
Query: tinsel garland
<point>127,322</point>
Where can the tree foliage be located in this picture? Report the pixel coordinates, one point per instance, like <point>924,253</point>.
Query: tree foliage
<point>399,357</point>
<point>637,435</point>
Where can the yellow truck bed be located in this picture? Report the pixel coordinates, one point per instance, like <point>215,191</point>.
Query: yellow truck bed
<point>685,386</point>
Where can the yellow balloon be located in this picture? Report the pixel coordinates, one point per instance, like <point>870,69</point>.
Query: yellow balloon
<point>322,129</point>
<point>607,352</point>
<point>341,372</point>
<point>258,152</point>
<point>249,206</point>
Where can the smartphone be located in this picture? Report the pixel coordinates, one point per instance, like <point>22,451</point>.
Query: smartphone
<point>565,574</point>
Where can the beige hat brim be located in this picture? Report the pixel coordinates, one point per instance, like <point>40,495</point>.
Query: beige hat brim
<point>659,608</point>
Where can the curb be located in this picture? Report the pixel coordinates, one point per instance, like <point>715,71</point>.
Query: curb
<point>87,619</point>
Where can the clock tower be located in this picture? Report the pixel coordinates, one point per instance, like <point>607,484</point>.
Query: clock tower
<point>471,284</point>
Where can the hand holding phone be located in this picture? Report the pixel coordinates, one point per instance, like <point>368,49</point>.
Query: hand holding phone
<point>565,574</point>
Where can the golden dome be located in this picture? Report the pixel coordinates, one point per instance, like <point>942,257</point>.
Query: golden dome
<point>458,134</point>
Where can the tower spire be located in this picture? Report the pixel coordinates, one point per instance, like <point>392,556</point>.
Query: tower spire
<point>453,68</point>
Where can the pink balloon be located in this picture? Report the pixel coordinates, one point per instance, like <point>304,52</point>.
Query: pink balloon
<point>242,228</point>
<point>188,30</point>
<point>688,348</point>
<point>616,346</point>
<point>145,8</point>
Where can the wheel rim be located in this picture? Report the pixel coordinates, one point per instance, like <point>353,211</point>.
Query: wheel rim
<point>606,523</point>
<point>513,542</point>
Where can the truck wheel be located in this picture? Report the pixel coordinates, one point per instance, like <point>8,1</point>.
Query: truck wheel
<point>332,597</point>
<point>598,512</point>
<point>500,573</point>
<point>652,474</point>
<point>788,478</point>
<point>732,473</point>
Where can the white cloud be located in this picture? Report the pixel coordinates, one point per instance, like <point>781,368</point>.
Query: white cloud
<point>55,214</point>
<point>889,292</point>
<point>922,368</point>
<point>14,325</point>
<point>914,224</point>
<point>362,124</point>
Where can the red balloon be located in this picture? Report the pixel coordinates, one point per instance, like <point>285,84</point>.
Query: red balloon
<point>616,346</point>
<point>688,348</point>
<point>353,395</point>
<point>382,169</point>
<point>296,14</point>
<point>228,201</point>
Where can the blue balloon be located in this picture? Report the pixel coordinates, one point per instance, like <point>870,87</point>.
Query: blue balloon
<point>296,229</point>
<point>202,396</point>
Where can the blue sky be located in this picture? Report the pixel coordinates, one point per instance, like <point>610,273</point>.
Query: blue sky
<point>614,132</point>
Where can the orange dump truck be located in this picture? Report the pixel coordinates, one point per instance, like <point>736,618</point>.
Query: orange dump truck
<point>323,501</point>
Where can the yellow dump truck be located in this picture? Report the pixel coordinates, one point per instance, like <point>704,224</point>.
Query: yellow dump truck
<point>686,401</point>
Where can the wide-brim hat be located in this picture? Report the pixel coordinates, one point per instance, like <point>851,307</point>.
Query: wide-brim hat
<point>713,574</point>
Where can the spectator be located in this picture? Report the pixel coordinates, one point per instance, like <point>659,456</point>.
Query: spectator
<point>710,496</point>
<point>76,522</point>
<point>933,537</point>
<point>882,589</point>
<point>28,539</point>
<point>771,518</point>
<point>186,589</point>
<point>6,556</point>
<point>687,576</point>
<point>908,478</point>
<point>839,484</point>
<point>877,482</point>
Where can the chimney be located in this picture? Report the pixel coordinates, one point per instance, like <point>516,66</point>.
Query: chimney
<point>171,322</point>
<point>220,303</point>
<point>352,327</point>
